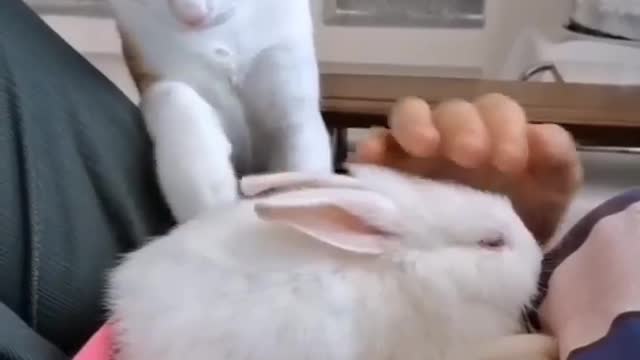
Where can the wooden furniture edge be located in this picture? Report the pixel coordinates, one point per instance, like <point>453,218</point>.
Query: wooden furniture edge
<point>601,115</point>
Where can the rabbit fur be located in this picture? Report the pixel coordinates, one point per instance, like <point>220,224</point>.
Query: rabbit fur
<point>376,265</point>
<point>224,84</point>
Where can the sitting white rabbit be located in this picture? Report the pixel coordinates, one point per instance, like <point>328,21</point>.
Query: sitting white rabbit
<point>224,84</point>
<point>375,266</point>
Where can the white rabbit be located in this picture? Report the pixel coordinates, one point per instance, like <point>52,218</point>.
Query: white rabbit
<point>248,68</point>
<point>378,265</point>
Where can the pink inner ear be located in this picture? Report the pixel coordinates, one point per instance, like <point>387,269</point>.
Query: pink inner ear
<point>330,225</point>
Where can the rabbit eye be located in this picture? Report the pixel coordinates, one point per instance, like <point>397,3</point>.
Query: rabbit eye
<point>492,243</point>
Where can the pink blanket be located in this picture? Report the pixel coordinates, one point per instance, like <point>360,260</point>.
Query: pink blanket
<point>99,347</point>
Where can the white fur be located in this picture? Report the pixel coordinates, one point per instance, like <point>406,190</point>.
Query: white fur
<point>192,153</point>
<point>254,63</point>
<point>229,285</point>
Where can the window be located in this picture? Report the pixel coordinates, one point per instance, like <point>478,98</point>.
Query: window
<point>405,13</point>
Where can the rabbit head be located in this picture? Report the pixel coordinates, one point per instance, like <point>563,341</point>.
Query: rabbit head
<point>464,244</point>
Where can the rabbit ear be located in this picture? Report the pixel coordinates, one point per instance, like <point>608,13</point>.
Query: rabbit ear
<point>354,220</point>
<point>254,185</point>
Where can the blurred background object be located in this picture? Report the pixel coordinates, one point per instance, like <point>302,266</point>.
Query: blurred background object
<point>406,13</point>
<point>618,19</point>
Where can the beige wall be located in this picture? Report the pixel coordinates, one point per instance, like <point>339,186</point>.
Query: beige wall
<point>99,42</point>
<point>86,34</point>
<point>517,15</point>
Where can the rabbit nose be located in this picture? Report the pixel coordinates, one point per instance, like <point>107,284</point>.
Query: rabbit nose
<point>191,12</point>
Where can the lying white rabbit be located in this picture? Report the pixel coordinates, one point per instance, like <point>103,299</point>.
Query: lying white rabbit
<point>376,266</point>
<point>224,84</point>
